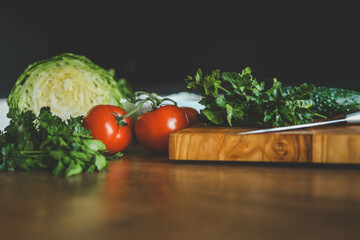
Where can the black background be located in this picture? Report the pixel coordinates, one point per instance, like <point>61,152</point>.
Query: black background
<point>155,45</point>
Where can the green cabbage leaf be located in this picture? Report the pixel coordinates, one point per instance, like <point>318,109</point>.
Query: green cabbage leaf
<point>68,83</point>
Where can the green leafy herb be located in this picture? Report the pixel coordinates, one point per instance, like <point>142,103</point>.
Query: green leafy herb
<point>46,142</point>
<point>238,99</point>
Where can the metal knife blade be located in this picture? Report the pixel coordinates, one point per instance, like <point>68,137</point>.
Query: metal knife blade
<point>352,118</point>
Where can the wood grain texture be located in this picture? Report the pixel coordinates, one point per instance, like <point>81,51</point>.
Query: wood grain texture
<point>328,144</point>
<point>146,196</point>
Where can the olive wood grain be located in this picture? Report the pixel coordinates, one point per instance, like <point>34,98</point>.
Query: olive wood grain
<point>146,196</point>
<point>327,144</point>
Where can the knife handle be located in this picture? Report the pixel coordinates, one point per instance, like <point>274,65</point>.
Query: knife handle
<point>353,118</point>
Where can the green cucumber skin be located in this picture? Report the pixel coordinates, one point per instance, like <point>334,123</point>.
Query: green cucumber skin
<point>331,102</point>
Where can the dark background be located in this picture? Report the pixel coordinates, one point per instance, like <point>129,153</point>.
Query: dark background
<point>155,45</point>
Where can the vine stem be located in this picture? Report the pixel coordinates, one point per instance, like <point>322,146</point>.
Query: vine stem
<point>155,102</point>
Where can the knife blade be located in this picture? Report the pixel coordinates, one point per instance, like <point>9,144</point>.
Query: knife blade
<point>352,118</point>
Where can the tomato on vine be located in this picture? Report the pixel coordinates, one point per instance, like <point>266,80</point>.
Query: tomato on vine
<point>191,113</point>
<point>152,129</point>
<point>109,124</point>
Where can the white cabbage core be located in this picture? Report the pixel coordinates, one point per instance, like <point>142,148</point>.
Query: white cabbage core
<point>68,91</point>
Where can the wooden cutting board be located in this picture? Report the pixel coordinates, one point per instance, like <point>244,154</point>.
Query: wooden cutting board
<point>327,144</point>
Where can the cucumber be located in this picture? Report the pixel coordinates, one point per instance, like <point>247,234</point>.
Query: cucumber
<point>331,102</point>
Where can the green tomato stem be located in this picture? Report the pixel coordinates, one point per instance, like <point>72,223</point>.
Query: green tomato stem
<point>155,102</point>
<point>168,99</point>
<point>135,109</point>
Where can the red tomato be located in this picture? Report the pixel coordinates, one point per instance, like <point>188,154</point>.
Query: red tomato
<point>101,121</point>
<point>152,128</point>
<point>191,113</point>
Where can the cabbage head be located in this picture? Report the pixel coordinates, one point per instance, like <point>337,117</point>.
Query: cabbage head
<point>68,83</point>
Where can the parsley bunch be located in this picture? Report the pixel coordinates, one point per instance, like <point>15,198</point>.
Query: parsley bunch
<point>238,99</point>
<point>46,142</point>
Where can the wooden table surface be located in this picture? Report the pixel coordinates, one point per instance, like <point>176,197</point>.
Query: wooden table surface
<point>147,196</point>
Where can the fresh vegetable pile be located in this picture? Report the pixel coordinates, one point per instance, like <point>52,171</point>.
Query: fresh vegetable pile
<point>47,107</point>
<point>67,114</point>
<point>238,99</point>
<point>46,142</point>
<point>47,133</point>
<point>246,102</point>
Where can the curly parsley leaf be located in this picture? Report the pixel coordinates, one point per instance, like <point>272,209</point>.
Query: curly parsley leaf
<point>45,142</point>
<point>238,99</point>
